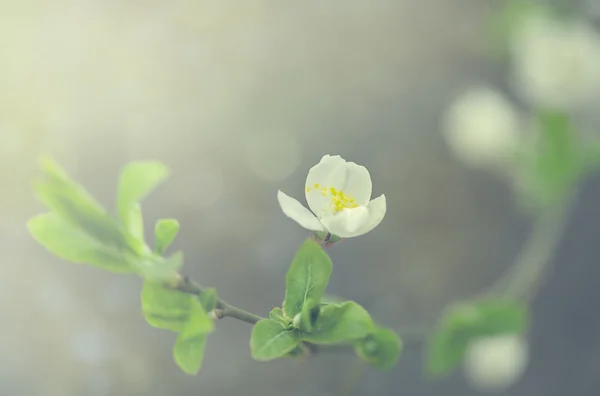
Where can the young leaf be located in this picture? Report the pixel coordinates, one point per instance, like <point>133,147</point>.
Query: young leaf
<point>300,350</point>
<point>188,352</point>
<point>164,233</point>
<point>189,347</point>
<point>500,317</point>
<point>270,340</point>
<point>71,244</point>
<point>340,323</point>
<point>74,204</point>
<point>135,224</point>
<point>465,322</point>
<point>446,349</point>
<point>166,308</point>
<point>277,315</point>
<point>159,268</point>
<point>381,349</point>
<point>556,162</point>
<point>305,320</point>
<point>307,277</point>
<point>137,180</point>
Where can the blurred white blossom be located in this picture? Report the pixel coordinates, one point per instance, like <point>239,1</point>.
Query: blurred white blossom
<point>556,63</point>
<point>482,127</point>
<point>339,194</point>
<point>496,363</point>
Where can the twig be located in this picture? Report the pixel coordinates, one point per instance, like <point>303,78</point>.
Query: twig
<point>523,279</point>
<point>224,309</point>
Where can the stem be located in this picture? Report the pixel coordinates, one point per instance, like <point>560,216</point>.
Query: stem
<point>228,310</point>
<point>224,309</point>
<point>523,279</point>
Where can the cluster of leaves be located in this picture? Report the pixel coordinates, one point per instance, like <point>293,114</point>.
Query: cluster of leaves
<point>306,318</point>
<point>78,229</point>
<point>183,313</point>
<point>464,323</point>
<point>555,160</point>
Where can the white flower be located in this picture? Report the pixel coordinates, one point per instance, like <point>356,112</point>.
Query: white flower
<point>338,193</point>
<point>482,128</point>
<point>495,363</point>
<point>556,63</point>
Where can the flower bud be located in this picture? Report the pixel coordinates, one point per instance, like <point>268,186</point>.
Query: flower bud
<point>482,128</point>
<point>495,363</point>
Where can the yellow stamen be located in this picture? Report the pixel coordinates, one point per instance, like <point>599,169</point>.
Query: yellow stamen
<point>339,200</point>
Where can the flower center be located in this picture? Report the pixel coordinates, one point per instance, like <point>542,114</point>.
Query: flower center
<point>339,200</point>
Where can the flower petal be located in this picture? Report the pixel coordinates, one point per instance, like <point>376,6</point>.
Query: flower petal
<point>335,172</point>
<point>295,211</point>
<point>358,184</point>
<point>347,223</point>
<point>359,221</point>
<point>377,208</point>
<point>329,172</point>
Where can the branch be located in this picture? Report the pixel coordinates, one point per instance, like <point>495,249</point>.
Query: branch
<point>523,279</point>
<point>226,310</point>
<point>223,310</point>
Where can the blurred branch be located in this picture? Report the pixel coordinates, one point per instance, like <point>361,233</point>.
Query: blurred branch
<point>523,279</point>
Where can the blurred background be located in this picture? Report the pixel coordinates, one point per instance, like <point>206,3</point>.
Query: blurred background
<point>240,99</point>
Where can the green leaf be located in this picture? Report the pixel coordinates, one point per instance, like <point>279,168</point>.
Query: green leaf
<point>188,352</point>
<point>277,315</point>
<point>75,205</point>
<point>497,317</point>
<point>137,180</point>
<point>208,299</point>
<point>381,349</point>
<point>158,268</point>
<point>166,308</point>
<point>308,316</point>
<point>164,233</point>
<point>270,340</point>
<point>69,243</point>
<point>307,277</point>
<point>300,350</point>
<point>340,323</point>
<point>556,161</point>
<point>135,224</point>
<point>465,322</point>
<point>189,347</point>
